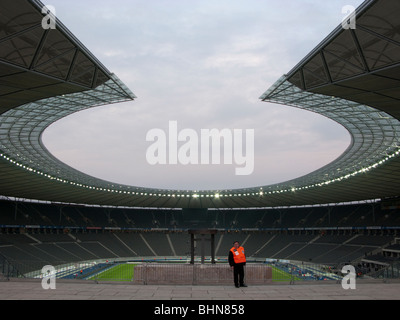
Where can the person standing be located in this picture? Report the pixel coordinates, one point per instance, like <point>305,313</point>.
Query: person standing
<point>237,261</point>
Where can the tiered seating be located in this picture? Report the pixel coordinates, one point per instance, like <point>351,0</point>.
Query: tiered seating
<point>92,238</point>
<point>12,213</point>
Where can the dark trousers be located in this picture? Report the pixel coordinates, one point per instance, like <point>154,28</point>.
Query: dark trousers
<point>238,274</point>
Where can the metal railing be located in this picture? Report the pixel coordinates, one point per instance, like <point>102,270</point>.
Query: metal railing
<point>392,271</point>
<point>8,270</point>
<point>172,270</point>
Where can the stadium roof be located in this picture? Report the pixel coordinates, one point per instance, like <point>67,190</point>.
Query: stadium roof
<point>352,77</point>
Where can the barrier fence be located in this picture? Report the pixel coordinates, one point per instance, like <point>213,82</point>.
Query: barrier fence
<point>148,271</point>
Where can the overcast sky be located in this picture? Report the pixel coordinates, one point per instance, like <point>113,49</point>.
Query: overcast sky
<point>203,64</point>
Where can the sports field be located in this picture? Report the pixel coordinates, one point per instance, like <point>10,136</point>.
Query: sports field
<point>125,272</point>
<point>280,275</point>
<point>120,272</point>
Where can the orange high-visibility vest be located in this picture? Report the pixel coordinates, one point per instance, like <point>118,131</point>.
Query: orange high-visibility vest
<point>238,255</point>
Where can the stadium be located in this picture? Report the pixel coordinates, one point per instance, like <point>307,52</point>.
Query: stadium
<point>302,231</point>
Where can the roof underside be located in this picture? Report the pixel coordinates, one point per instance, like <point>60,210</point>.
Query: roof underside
<point>362,64</point>
<point>38,63</point>
<point>352,77</point>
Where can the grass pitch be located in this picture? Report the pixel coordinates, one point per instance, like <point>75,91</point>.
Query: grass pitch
<point>280,275</point>
<point>124,272</point>
<point>120,272</point>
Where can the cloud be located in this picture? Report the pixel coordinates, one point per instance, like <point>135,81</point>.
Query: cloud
<point>204,64</point>
<point>234,60</point>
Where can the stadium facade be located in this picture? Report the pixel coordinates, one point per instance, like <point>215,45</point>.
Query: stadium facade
<point>351,78</point>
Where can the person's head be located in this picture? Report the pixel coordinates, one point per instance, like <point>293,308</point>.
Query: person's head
<point>236,244</point>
